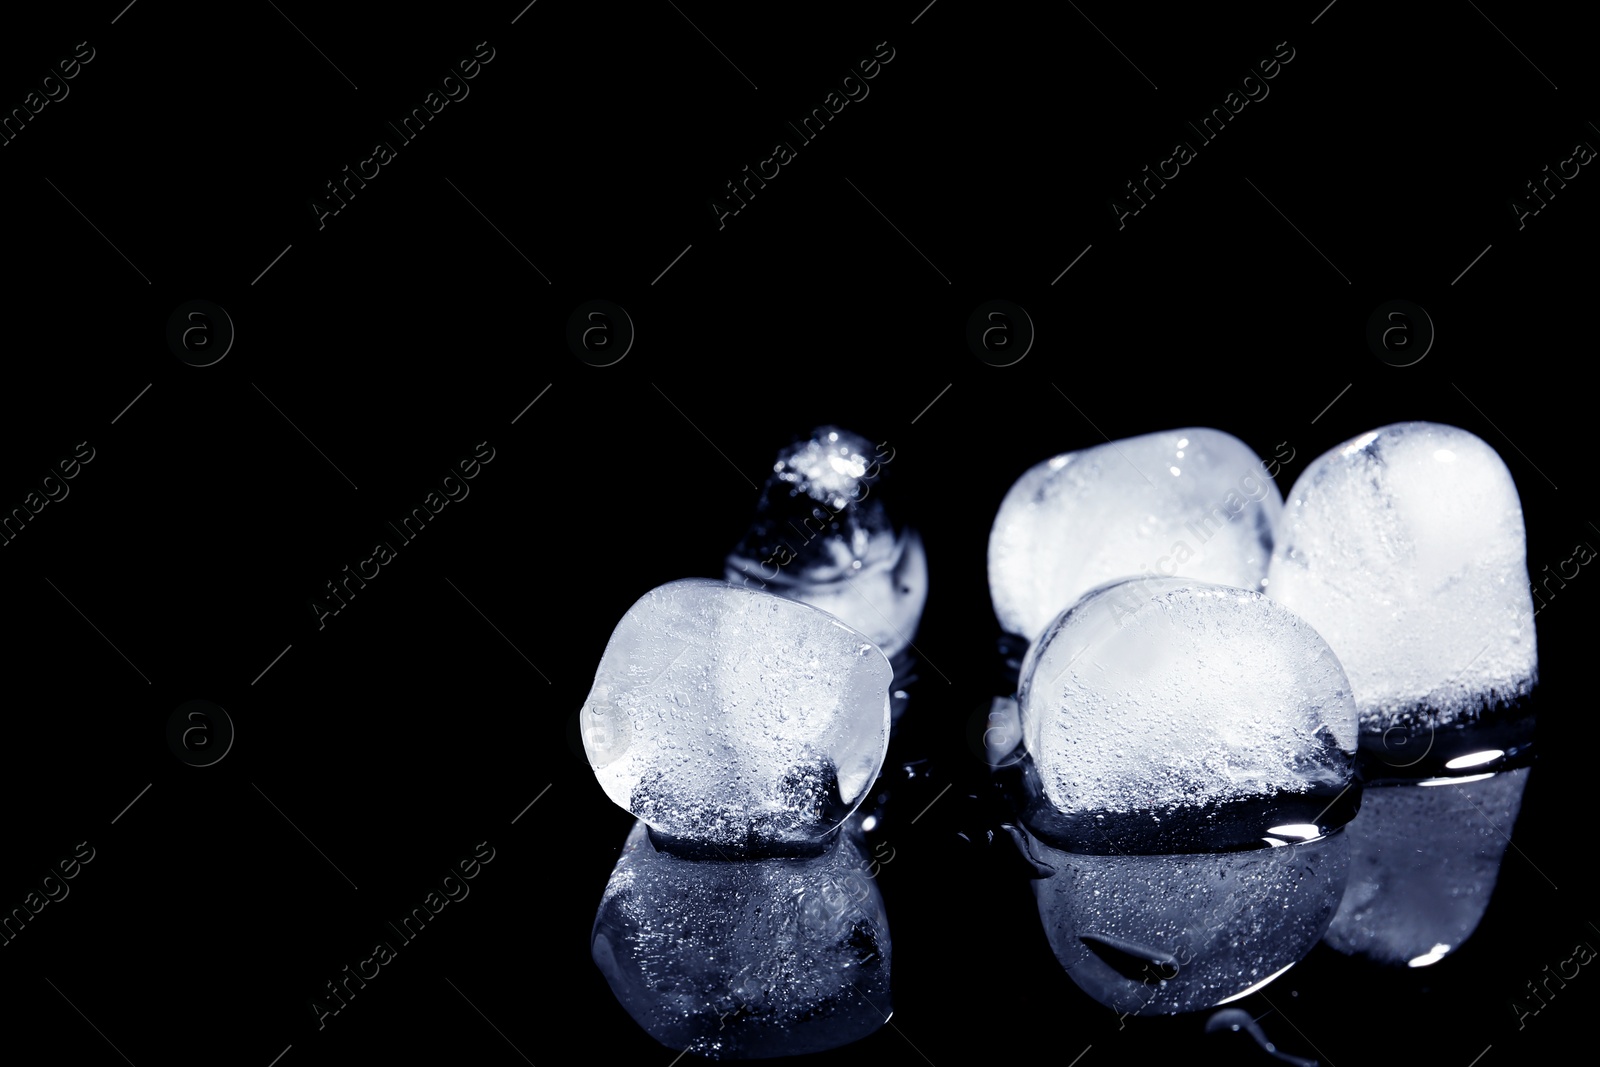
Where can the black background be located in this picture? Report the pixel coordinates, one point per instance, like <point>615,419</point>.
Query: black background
<point>427,715</point>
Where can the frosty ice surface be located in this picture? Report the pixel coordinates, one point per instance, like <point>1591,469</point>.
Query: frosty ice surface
<point>1168,725</point>
<point>1404,547</point>
<point>1193,502</point>
<point>737,718</point>
<point>1166,692</point>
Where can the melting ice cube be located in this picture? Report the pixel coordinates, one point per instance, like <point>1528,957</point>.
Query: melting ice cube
<point>1404,547</point>
<point>736,718</point>
<point>1193,502</point>
<point>1165,693</point>
<point>823,535</point>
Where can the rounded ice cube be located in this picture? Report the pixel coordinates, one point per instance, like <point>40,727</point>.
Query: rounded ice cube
<point>1193,502</point>
<point>1405,548</point>
<point>1164,693</point>
<point>736,718</point>
<point>823,535</point>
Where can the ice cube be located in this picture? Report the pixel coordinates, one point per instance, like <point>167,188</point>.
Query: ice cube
<point>1194,502</point>
<point>774,957</point>
<point>1404,547</point>
<point>823,535</point>
<point>1424,860</point>
<point>736,718</point>
<point>1167,693</point>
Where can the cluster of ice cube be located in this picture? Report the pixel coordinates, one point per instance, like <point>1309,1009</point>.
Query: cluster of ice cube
<point>1202,658</point>
<point>1399,603</point>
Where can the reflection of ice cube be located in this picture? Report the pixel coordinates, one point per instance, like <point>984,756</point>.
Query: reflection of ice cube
<point>1193,502</point>
<point>1163,693</point>
<point>1404,547</point>
<point>1151,935</point>
<point>735,717</point>
<point>1423,864</point>
<point>822,535</point>
<point>775,957</point>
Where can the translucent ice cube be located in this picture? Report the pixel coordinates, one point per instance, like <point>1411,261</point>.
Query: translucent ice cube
<point>1164,693</point>
<point>1404,547</point>
<point>823,535</point>
<point>736,718</point>
<point>774,957</point>
<point>1194,502</point>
